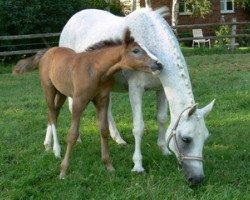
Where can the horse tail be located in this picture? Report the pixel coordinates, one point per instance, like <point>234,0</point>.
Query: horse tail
<point>28,64</point>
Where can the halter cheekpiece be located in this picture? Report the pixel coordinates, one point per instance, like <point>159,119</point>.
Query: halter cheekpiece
<point>180,156</point>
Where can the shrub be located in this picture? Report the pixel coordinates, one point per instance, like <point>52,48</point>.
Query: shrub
<point>186,43</point>
<point>222,30</point>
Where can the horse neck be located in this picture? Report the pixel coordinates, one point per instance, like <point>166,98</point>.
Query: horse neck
<point>178,91</point>
<point>108,61</point>
<point>175,77</point>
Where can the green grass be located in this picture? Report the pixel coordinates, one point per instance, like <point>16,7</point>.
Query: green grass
<point>187,51</point>
<point>28,172</point>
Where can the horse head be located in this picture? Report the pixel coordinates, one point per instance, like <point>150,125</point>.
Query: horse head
<point>186,140</point>
<point>138,57</point>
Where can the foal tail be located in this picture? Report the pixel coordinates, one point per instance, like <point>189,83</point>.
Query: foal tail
<point>28,64</point>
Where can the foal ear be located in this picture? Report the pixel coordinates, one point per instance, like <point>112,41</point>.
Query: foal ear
<point>127,37</point>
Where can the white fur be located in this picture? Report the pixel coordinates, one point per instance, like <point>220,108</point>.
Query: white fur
<point>152,31</point>
<point>48,138</point>
<point>56,146</point>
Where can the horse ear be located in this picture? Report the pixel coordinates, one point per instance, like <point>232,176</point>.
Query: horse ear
<point>192,110</point>
<point>207,109</point>
<point>127,37</point>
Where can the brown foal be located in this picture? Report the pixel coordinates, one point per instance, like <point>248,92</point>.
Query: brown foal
<point>86,77</point>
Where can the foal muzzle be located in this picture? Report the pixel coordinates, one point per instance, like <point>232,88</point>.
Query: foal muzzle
<point>156,67</point>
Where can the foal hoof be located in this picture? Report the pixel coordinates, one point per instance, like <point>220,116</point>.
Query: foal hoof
<point>79,140</point>
<point>57,152</point>
<point>110,168</point>
<point>62,175</point>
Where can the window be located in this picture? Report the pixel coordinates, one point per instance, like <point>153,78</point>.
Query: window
<point>183,10</point>
<point>226,6</point>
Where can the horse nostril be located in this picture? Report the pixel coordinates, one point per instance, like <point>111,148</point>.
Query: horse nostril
<point>160,66</point>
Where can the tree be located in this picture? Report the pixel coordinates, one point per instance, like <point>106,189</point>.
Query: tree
<point>197,8</point>
<point>42,16</point>
<point>244,4</point>
<point>148,3</point>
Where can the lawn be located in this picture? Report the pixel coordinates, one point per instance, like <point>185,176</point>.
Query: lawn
<point>28,172</point>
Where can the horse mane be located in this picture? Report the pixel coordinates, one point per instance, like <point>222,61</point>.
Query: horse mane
<point>104,44</point>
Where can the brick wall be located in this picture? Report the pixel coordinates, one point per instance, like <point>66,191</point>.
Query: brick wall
<point>214,17</point>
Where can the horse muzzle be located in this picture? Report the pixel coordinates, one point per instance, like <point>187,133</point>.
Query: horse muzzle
<point>193,174</point>
<point>195,180</point>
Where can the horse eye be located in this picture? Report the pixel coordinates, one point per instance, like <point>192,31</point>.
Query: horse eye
<point>136,51</point>
<point>187,140</point>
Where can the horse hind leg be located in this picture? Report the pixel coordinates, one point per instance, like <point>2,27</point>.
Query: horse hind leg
<point>50,94</point>
<point>112,127</point>
<point>161,118</point>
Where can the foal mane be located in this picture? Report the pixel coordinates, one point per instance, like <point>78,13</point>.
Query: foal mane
<point>104,44</point>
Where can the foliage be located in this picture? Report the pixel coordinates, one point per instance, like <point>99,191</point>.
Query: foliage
<point>245,41</point>
<point>42,16</point>
<point>244,4</point>
<point>199,7</point>
<point>186,43</point>
<point>222,30</point>
<point>28,172</point>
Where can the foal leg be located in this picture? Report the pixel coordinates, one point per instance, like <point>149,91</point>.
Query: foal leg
<point>101,104</point>
<point>112,127</point>
<point>161,118</point>
<point>79,104</point>
<point>70,101</point>
<point>50,94</point>
<point>135,96</point>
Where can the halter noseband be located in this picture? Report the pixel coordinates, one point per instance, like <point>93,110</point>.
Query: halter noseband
<point>180,156</point>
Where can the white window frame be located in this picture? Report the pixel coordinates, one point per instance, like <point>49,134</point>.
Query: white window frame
<point>186,12</point>
<point>225,6</point>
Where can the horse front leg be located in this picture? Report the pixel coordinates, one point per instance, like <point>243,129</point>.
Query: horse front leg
<point>112,127</point>
<point>70,102</point>
<point>135,96</point>
<point>101,104</point>
<point>79,104</point>
<point>161,119</point>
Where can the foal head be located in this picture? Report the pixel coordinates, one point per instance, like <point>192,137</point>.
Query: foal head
<point>138,57</point>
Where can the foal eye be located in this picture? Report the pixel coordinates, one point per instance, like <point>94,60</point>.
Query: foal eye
<point>187,140</point>
<point>136,51</point>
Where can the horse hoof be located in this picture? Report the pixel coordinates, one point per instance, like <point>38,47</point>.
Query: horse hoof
<point>120,141</point>
<point>47,147</point>
<point>138,169</point>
